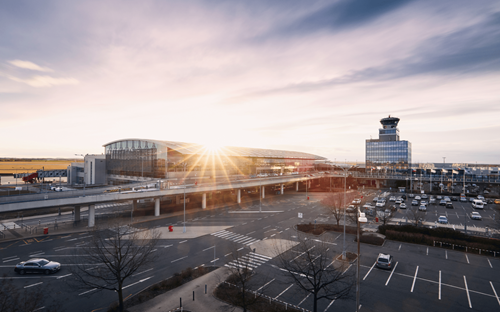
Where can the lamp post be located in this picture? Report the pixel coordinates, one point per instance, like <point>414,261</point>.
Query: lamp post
<point>260,195</point>
<point>345,169</point>
<point>361,219</point>
<point>184,228</point>
<point>84,183</point>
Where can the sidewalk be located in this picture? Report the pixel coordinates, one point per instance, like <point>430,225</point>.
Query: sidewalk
<point>203,302</point>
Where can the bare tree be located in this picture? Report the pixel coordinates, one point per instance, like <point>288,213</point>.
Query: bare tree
<point>236,288</point>
<point>415,215</point>
<point>386,214</point>
<point>314,272</point>
<point>335,203</point>
<point>113,255</point>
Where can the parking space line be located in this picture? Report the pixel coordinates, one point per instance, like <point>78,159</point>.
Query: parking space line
<point>467,290</point>
<point>495,292</point>
<point>414,279</point>
<point>391,274</point>
<point>399,247</point>
<point>266,284</point>
<point>467,259</point>
<point>33,285</point>
<point>439,296</point>
<point>283,292</point>
<point>489,262</point>
<point>427,251</point>
<point>369,270</point>
<point>446,254</point>
<point>304,299</point>
<point>329,305</point>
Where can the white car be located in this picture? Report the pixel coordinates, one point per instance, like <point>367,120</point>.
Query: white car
<point>380,203</point>
<point>417,197</point>
<point>424,196</point>
<point>475,216</point>
<point>443,220</point>
<point>357,201</point>
<point>392,198</point>
<point>402,206</point>
<point>463,199</point>
<point>399,201</point>
<point>422,208</point>
<point>423,202</point>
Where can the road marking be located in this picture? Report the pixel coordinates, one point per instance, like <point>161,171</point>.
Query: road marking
<point>8,258</point>
<point>369,270</point>
<point>304,299</point>
<point>266,284</point>
<point>142,272</point>
<point>64,276</point>
<point>272,235</point>
<point>467,289</point>
<point>33,285</point>
<point>142,280</point>
<point>446,254</point>
<point>287,229</point>
<point>270,230</point>
<point>414,279</point>
<point>243,223</point>
<point>240,249</point>
<point>302,253</point>
<point>166,246</point>
<point>427,251</point>
<point>208,248</point>
<point>495,292</point>
<point>178,259</point>
<point>183,241</point>
<point>399,247</point>
<point>250,233</point>
<point>439,295</point>
<point>330,305</point>
<point>228,254</point>
<point>14,259</point>
<point>467,258</point>
<point>39,309</point>
<point>394,269</point>
<point>214,260</point>
<point>489,262</point>
<point>283,292</point>
<point>265,227</point>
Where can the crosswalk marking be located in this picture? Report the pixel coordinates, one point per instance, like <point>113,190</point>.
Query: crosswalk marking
<point>249,261</point>
<point>237,238</point>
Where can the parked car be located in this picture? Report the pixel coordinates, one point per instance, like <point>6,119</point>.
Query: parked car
<point>453,198</point>
<point>443,220</point>
<point>399,201</point>
<point>463,199</point>
<point>357,201</point>
<point>414,202</point>
<point>424,196</point>
<point>392,198</point>
<point>384,261</point>
<point>417,197</point>
<point>449,205</point>
<point>442,202</point>
<point>37,265</point>
<point>432,201</point>
<point>439,197</point>
<point>447,198</point>
<point>475,216</point>
<point>423,202</point>
<point>402,206</point>
<point>480,197</point>
<point>478,204</point>
<point>411,195</point>
<point>422,208</point>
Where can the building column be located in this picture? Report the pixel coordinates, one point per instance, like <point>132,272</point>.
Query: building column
<point>91,216</point>
<point>238,196</point>
<point>204,201</point>
<point>263,191</point>
<point>157,207</point>
<point>134,204</point>
<point>296,186</point>
<point>77,213</point>
<point>282,189</point>
<point>377,183</point>
<point>177,199</point>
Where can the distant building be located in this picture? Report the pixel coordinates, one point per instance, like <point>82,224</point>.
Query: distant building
<point>388,152</point>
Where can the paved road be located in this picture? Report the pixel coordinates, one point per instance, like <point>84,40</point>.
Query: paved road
<point>178,254</point>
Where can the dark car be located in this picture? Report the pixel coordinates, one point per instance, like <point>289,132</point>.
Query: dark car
<point>403,196</point>
<point>453,198</point>
<point>449,205</point>
<point>37,265</point>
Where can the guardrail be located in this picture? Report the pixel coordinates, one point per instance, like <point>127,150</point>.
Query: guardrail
<point>453,246</point>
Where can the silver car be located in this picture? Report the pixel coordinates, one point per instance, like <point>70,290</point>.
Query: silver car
<point>384,261</point>
<point>37,265</point>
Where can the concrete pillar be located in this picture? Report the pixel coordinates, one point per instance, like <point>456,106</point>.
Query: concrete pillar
<point>91,216</point>
<point>263,191</point>
<point>238,197</point>
<point>282,189</point>
<point>377,183</point>
<point>134,205</point>
<point>177,199</point>
<point>77,213</point>
<point>296,186</point>
<point>204,201</point>
<point>157,207</point>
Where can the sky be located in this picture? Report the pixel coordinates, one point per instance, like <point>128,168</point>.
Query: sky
<point>308,76</point>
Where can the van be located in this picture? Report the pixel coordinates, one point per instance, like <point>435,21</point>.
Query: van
<point>497,201</point>
<point>478,204</point>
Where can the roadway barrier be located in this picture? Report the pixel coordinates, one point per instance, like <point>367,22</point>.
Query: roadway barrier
<point>440,244</point>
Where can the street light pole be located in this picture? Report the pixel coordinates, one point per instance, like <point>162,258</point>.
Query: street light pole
<point>361,219</point>
<point>260,195</point>
<point>184,229</point>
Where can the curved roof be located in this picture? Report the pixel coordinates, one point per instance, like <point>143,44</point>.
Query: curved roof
<point>389,121</point>
<point>192,148</point>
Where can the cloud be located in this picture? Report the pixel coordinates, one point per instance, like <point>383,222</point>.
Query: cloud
<point>46,81</point>
<point>29,65</point>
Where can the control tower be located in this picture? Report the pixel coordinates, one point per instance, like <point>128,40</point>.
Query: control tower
<point>388,151</point>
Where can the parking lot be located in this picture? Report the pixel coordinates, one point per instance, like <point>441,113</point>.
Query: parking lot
<point>423,278</point>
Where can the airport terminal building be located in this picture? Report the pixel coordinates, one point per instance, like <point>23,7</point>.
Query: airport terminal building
<point>130,160</point>
<point>388,151</point>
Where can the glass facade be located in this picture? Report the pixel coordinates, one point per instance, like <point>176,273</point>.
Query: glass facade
<point>391,154</point>
<point>155,159</point>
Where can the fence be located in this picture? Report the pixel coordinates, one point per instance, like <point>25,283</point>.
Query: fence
<point>466,248</point>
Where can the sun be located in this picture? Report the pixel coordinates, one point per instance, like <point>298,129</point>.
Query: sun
<point>212,147</point>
